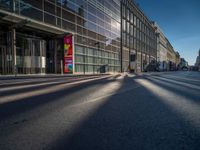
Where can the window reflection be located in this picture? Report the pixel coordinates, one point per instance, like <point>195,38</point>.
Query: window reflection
<point>93,21</point>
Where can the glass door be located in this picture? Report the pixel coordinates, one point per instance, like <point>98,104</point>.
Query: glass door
<point>38,56</point>
<point>1,61</point>
<point>54,55</point>
<point>31,55</point>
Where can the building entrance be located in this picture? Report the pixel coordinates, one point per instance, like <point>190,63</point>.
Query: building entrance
<point>30,55</point>
<point>35,54</point>
<point>6,61</point>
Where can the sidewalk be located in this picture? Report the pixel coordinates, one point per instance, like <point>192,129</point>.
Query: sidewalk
<point>35,76</point>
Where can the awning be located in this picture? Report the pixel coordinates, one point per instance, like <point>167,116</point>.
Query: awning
<point>18,20</point>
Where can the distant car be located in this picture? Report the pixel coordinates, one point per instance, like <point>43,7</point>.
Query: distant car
<point>185,68</point>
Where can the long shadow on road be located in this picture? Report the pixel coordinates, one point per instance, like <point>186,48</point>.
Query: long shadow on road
<point>26,104</point>
<point>185,91</point>
<point>35,86</point>
<point>194,81</point>
<point>136,119</point>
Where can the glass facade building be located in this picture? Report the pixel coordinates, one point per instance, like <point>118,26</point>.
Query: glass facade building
<point>108,36</point>
<point>95,25</point>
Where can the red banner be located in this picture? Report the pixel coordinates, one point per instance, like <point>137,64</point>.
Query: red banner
<point>68,54</point>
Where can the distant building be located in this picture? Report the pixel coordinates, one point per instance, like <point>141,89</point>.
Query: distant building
<point>171,57</point>
<point>183,64</point>
<point>178,60</point>
<point>168,59</point>
<point>161,48</point>
<point>197,64</point>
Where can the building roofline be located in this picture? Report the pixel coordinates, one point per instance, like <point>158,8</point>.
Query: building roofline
<point>136,6</point>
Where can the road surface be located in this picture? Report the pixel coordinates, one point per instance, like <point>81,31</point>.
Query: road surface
<point>147,112</point>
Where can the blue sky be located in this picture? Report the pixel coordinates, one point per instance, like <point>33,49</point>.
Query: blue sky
<point>180,22</point>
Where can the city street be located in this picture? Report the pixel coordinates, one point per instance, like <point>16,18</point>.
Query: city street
<point>151,111</point>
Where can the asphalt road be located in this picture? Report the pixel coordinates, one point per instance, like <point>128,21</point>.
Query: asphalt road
<point>148,112</point>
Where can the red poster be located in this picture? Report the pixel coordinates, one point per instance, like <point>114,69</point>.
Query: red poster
<point>68,54</point>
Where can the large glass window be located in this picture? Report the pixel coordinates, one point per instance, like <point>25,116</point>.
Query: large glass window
<point>31,12</point>
<point>30,55</point>
<point>35,3</point>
